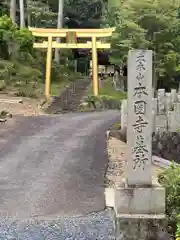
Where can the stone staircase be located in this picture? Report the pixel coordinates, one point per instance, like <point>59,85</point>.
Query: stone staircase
<point>70,99</point>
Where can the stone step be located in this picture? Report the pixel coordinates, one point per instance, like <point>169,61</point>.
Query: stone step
<point>70,99</point>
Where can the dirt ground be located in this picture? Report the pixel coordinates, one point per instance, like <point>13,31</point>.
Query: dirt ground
<point>10,104</point>
<point>28,107</point>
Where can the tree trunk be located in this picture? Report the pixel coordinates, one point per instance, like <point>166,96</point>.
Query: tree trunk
<point>13,11</point>
<point>28,14</point>
<point>75,65</point>
<point>22,19</point>
<point>59,25</point>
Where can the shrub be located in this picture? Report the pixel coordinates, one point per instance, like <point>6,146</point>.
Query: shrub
<point>92,101</point>
<point>28,91</point>
<point>178,228</point>
<point>21,66</point>
<point>25,40</point>
<point>7,69</point>
<point>170,179</point>
<point>26,74</point>
<point>2,85</point>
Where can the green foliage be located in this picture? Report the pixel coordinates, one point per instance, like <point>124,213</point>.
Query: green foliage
<point>40,14</point>
<point>84,12</point>
<point>92,100</point>
<point>108,97</point>
<point>178,228</point>
<point>116,126</point>
<point>25,39</point>
<point>22,68</point>
<point>150,24</point>
<point>29,90</point>
<point>14,41</point>
<point>16,44</point>
<point>170,179</point>
<point>20,64</point>
<point>6,24</point>
<point>16,68</point>
<point>6,70</point>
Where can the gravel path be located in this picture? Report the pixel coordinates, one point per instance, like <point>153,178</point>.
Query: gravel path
<point>53,167</point>
<point>96,226</point>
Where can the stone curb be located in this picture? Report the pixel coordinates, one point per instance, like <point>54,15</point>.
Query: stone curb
<point>8,100</point>
<point>161,162</point>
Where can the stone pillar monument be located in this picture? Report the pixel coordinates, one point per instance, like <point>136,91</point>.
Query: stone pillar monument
<point>138,196</point>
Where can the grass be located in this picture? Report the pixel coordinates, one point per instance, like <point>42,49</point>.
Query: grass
<point>116,126</point>
<point>57,88</point>
<point>108,90</point>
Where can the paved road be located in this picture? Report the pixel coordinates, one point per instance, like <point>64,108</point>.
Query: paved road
<point>54,166</point>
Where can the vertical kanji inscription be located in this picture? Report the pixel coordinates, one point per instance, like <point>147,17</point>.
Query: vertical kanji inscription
<point>139,116</point>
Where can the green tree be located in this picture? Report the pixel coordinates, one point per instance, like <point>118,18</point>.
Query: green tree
<point>20,64</point>
<point>150,24</point>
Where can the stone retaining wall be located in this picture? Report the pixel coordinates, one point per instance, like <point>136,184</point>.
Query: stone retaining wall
<point>67,95</point>
<point>100,103</point>
<point>111,104</point>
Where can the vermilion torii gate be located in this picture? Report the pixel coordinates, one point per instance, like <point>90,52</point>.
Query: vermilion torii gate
<point>71,36</point>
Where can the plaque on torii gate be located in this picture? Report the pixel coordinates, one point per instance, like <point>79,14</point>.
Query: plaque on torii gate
<point>71,36</point>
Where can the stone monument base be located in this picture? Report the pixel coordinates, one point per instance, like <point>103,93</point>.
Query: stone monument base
<point>140,213</point>
<point>141,229</point>
<point>135,202</point>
